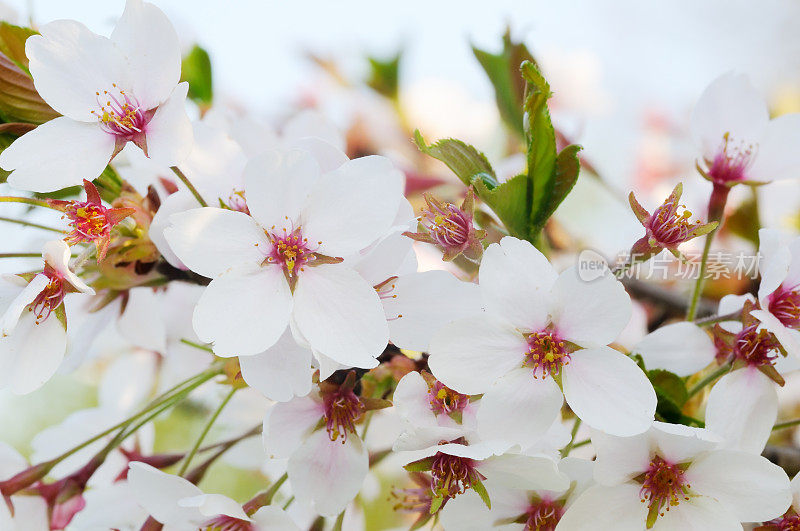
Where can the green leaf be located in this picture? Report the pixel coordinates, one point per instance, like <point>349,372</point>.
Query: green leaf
<point>19,101</point>
<point>567,169</point>
<point>384,76</point>
<point>480,489</point>
<point>671,394</point>
<point>5,141</point>
<point>196,69</point>
<point>465,161</point>
<point>12,43</point>
<point>503,72</point>
<point>744,221</point>
<point>422,465</point>
<point>540,134</point>
<point>510,202</point>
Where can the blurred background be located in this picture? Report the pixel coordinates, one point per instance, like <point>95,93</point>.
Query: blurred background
<point>625,74</point>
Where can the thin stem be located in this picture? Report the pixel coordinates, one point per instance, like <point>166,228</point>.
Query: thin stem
<point>716,211</point>
<point>199,441</point>
<point>714,319</point>
<point>288,503</point>
<point>339,519</point>
<point>255,430</point>
<point>710,378</point>
<point>31,224</point>
<point>581,443</point>
<point>20,255</point>
<point>568,448</point>
<point>196,345</point>
<point>273,489</point>
<point>786,424</point>
<point>185,180</point>
<point>27,201</point>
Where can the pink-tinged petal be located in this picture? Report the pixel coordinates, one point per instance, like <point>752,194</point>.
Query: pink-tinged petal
<point>729,105</point>
<point>680,444</point>
<point>169,133</point>
<point>57,154</point>
<point>352,206</point>
<point>699,513</point>
<point>412,401</point>
<point>70,64</point>
<point>589,313</point>
<point>213,505</point>
<point>470,354</point>
<point>146,36</point>
<point>212,240</point>
<point>340,315</point>
<point>180,201</point>
<point>281,372</point>
<point>609,391</point>
<point>777,157</point>
<point>328,473</point>
<point>788,338</point>
<point>159,493</point>
<point>742,408</point>
<point>277,184</point>
<point>313,124</point>
<point>271,517</point>
<point>515,279</point>
<point>681,348</point>
<point>288,424</point>
<point>517,471</point>
<point>30,356</point>
<point>620,459</point>
<point>602,508</point>
<point>420,304</point>
<point>518,408</point>
<point>17,295</point>
<point>243,311</point>
<point>730,476</point>
<point>774,262</point>
<point>57,254</point>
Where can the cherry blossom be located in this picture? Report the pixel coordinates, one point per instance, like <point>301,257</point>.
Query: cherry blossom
<point>543,331</point>
<point>111,91</point>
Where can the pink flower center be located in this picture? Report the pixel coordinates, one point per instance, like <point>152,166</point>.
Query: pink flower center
<point>444,400</point>
<point>663,486</point>
<point>89,222</point>
<point>755,347</point>
<point>788,522</point>
<point>669,225</point>
<point>50,297</point>
<point>731,162</point>
<point>120,113</point>
<point>547,353</point>
<point>544,515</point>
<point>237,202</point>
<point>227,523</point>
<point>342,410</point>
<point>452,475</point>
<point>784,303</point>
<point>447,224</point>
<point>289,250</point>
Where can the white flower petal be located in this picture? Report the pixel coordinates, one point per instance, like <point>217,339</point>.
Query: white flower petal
<point>515,279</point>
<point>609,391</point>
<point>244,311</point>
<point>353,206</point>
<point>277,184</point>
<point>30,356</point>
<point>340,315</point>
<point>589,313</point>
<point>729,476</point>
<point>682,348</point>
<point>169,133</point>
<point>679,444</point>
<point>729,105</point>
<point>281,372</point>
<point>519,408</point>
<point>742,408</point>
<point>311,123</point>
<point>328,473</point>
<point>70,64</point>
<point>57,154</point>
<point>602,508</point>
<point>213,505</point>
<point>776,157</point>
<point>159,493</point>
<point>699,513</point>
<point>383,259</point>
<point>142,322</point>
<point>328,156</point>
<point>788,338</point>
<point>151,45</point>
<point>620,459</point>
<point>57,254</point>
<point>412,402</point>
<point>270,517</point>
<point>517,471</point>
<point>17,298</point>
<point>468,512</point>
<point>774,263</point>
<point>180,201</point>
<point>287,424</point>
<point>212,240</point>
<point>470,354</point>
<point>420,304</point>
